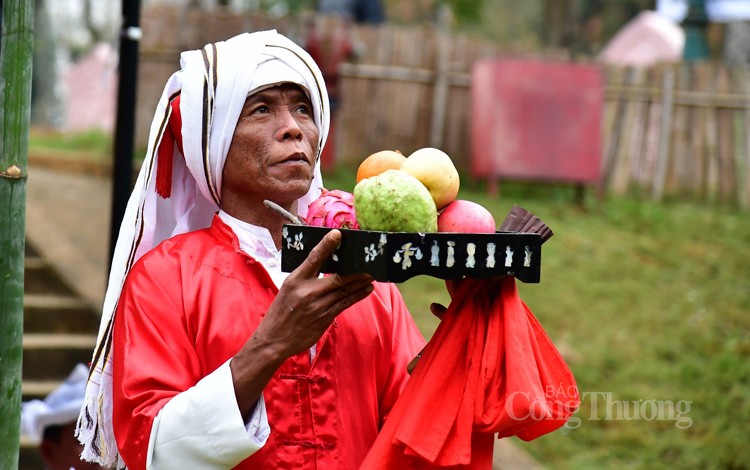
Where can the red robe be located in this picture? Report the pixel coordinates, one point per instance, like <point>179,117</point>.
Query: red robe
<point>191,303</point>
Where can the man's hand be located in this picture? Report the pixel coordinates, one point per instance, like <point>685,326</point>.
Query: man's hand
<point>299,315</point>
<point>307,304</point>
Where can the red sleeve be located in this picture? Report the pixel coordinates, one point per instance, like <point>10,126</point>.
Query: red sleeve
<point>406,342</point>
<point>153,355</point>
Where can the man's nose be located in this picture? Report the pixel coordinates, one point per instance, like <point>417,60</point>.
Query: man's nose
<point>289,127</point>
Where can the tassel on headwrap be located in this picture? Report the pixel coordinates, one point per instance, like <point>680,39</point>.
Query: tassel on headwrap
<point>172,137</point>
<point>179,186</point>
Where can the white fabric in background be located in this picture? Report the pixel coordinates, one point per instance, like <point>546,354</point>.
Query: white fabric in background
<point>59,408</point>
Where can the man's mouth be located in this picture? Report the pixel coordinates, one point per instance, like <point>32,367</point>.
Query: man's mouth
<point>296,158</point>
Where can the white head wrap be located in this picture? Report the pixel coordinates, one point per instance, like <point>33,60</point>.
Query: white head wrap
<point>212,87</point>
<point>59,408</point>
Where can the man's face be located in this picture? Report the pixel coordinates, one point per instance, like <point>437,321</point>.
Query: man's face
<point>273,150</point>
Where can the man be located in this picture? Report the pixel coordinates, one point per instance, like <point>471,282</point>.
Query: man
<point>50,423</point>
<point>214,358</point>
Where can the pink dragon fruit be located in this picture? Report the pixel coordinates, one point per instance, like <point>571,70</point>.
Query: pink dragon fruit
<point>333,209</point>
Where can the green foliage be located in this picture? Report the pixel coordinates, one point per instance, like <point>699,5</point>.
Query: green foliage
<point>509,22</point>
<point>94,144</point>
<point>466,12</point>
<point>87,140</point>
<point>646,302</point>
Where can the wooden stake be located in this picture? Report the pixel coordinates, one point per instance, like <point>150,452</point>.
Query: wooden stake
<point>662,156</point>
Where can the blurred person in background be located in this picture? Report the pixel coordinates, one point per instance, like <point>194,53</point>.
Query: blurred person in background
<point>50,423</point>
<point>359,11</point>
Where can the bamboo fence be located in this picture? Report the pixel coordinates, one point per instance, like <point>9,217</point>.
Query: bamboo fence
<point>677,130</point>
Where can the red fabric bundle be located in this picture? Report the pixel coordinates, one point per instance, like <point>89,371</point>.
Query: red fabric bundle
<point>489,368</point>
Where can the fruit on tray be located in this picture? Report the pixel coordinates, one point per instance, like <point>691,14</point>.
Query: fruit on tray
<point>466,216</point>
<point>394,201</point>
<point>378,162</point>
<point>333,209</point>
<point>435,169</point>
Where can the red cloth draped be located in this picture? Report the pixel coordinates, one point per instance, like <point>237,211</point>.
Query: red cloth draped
<point>489,368</point>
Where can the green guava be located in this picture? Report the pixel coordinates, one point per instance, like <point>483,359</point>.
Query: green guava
<point>394,201</point>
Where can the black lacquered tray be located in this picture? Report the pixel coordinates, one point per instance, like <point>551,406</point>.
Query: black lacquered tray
<point>398,256</point>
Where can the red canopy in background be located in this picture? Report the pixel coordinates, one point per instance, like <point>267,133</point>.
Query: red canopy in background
<point>489,369</point>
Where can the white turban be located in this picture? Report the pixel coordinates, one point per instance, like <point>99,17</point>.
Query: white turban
<point>59,408</point>
<point>179,186</point>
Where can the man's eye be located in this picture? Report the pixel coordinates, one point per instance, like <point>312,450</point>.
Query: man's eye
<point>263,109</point>
<point>303,109</point>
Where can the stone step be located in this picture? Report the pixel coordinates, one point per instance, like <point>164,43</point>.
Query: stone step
<point>39,278</point>
<point>52,301</point>
<point>29,456</point>
<point>33,262</point>
<point>37,389</point>
<point>58,341</point>
<point>52,313</point>
<point>59,332</point>
<point>53,356</point>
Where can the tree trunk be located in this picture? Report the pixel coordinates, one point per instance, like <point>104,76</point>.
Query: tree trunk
<point>15,100</point>
<point>559,23</point>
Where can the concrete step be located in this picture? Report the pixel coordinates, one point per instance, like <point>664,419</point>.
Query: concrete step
<point>40,278</point>
<point>51,357</point>
<point>29,457</point>
<point>37,389</point>
<point>41,341</point>
<point>52,301</point>
<point>53,313</point>
<point>33,262</point>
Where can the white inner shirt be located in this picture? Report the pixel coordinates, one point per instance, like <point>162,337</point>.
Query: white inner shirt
<point>257,242</point>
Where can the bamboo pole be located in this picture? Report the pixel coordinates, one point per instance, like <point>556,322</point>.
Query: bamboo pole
<point>620,157</point>
<point>651,144</point>
<point>740,142</point>
<point>644,148</point>
<point>711,178</point>
<point>725,167</point>
<point>614,124</point>
<point>662,156</point>
<point>701,144</point>
<point>745,153</point>
<point>15,102</point>
<point>680,157</point>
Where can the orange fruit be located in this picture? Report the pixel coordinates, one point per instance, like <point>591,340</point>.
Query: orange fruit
<point>379,162</point>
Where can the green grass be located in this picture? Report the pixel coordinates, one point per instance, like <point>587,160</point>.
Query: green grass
<point>646,302</point>
<point>92,145</point>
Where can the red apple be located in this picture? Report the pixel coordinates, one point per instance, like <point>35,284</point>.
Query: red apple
<point>466,216</point>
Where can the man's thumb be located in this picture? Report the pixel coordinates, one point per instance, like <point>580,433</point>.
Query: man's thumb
<point>438,310</point>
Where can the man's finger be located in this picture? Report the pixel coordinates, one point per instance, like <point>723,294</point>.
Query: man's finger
<point>325,248</point>
<point>438,310</point>
<point>350,299</point>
